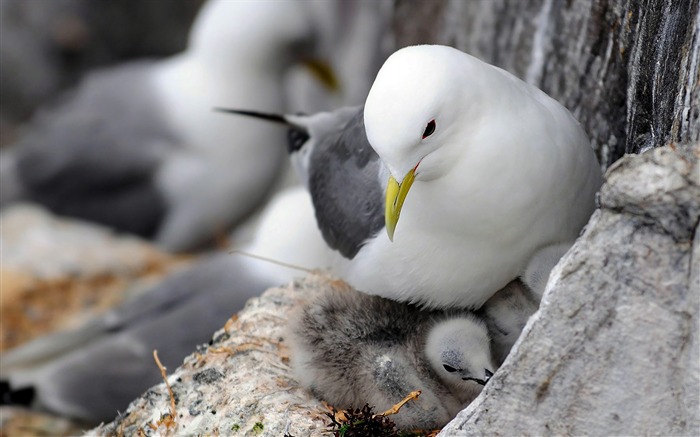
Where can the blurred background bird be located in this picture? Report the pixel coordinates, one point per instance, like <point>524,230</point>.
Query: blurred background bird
<point>47,47</point>
<point>137,147</point>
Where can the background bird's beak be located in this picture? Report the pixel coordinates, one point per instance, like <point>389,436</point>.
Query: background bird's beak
<point>276,118</point>
<point>322,71</point>
<point>395,196</point>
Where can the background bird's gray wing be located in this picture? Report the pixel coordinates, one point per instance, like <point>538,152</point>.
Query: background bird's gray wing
<point>94,379</point>
<point>344,183</point>
<point>222,280</point>
<point>94,155</point>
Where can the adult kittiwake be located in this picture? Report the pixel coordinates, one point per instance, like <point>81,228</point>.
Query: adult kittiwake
<point>138,148</point>
<point>484,170</point>
<point>497,170</point>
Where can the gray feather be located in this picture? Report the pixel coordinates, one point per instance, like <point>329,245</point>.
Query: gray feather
<point>350,348</point>
<point>332,156</point>
<point>94,155</point>
<point>540,265</point>
<point>343,179</point>
<point>96,371</point>
<point>506,314</point>
<point>507,311</point>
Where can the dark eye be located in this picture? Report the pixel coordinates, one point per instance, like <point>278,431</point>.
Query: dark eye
<point>429,129</point>
<point>296,138</point>
<point>449,368</point>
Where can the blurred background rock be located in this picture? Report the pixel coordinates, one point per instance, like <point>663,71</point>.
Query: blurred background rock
<point>56,273</point>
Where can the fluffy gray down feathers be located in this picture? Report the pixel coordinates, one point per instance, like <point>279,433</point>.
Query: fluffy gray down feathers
<point>350,348</point>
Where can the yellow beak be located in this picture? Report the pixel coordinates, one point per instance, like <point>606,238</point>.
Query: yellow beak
<point>324,73</point>
<point>395,196</point>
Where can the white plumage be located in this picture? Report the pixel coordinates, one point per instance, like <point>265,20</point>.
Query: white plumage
<point>505,171</point>
<point>492,171</point>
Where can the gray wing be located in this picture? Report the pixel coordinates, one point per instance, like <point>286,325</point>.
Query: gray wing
<point>95,379</point>
<point>345,188</point>
<point>95,154</point>
<point>222,278</point>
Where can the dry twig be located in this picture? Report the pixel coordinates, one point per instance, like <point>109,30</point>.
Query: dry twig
<point>229,323</point>
<point>270,260</point>
<point>171,421</point>
<point>395,409</point>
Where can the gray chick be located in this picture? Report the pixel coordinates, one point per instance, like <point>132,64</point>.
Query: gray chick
<point>350,348</point>
<point>540,265</point>
<point>506,314</point>
<point>507,311</point>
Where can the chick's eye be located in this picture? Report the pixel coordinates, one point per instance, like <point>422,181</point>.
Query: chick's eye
<point>429,129</point>
<point>449,368</point>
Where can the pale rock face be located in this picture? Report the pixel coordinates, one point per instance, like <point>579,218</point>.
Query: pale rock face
<point>614,346</point>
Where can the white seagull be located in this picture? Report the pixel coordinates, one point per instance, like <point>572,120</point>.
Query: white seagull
<point>486,172</point>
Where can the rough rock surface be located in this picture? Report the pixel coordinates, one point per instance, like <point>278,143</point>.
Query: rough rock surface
<point>240,385</point>
<point>615,347</point>
<point>55,272</point>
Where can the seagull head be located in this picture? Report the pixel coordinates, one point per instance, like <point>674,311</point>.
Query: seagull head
<point>265,36</point>
<point>459,351</point>
<point>414,117</point>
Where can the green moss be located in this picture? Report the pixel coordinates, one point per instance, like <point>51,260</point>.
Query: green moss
<point>258,427</point>
<point>235,427</point>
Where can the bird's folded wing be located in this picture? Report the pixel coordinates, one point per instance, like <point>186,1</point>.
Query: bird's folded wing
<point>344,181</point>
